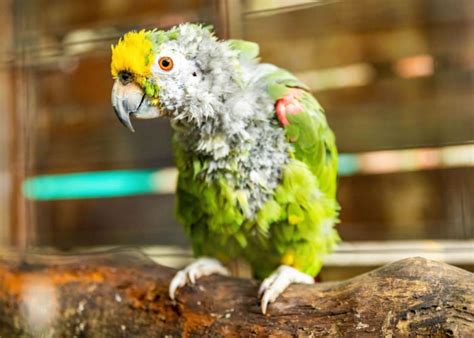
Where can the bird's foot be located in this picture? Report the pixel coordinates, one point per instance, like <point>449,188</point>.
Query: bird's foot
<point>277,282</point>
<point>203,266</point>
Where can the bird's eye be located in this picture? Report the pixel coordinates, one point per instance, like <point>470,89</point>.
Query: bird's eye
<point>125,77</point>
<point>166,63</point>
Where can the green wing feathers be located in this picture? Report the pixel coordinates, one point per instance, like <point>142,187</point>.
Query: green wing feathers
<point>306,128</point>
<point>314,143</point>
<point>303,232</point>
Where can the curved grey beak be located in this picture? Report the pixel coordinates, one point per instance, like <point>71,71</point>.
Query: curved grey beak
<point>126,100</point>
<point>130,100</point>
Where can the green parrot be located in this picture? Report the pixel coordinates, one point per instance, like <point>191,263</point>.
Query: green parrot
<point>257,160</point>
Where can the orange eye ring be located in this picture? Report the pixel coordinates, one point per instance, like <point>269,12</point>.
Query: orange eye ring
<point>165,63</point>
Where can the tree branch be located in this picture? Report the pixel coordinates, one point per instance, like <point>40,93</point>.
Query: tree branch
<point>123,293</point>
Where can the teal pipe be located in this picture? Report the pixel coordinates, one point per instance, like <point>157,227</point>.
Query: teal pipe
<point>90,185</point>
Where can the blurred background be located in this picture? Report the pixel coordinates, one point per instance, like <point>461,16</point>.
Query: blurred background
<point>396,78</point>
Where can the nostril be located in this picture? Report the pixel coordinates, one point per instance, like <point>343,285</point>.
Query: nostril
<point>125,77</point>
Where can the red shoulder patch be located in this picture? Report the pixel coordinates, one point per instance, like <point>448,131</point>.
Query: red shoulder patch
<point>289,104</point>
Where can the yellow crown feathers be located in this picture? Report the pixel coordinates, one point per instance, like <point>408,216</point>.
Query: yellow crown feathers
<point>132,53</point>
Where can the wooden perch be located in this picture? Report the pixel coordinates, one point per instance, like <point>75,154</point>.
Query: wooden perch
<point>124,294</point>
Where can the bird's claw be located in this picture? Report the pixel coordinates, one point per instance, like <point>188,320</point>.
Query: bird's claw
<point>277,282</point>
<point>203,266</point>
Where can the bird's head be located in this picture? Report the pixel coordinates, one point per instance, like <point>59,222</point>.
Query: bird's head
<point>182,73</point>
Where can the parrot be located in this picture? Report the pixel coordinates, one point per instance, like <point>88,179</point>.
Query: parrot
<point>256,158</point>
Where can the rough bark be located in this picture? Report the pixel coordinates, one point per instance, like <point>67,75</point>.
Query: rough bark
<point>124,294</point>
